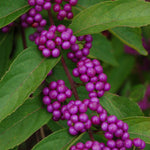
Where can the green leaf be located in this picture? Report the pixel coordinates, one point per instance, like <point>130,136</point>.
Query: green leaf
<point>146,31</point>
<point>25,74</point>
<point>57,125</point>
<point>6,48</point>
<point>10,11</point>
<point>102,49</point>
<point>106,15</point>
<point>20,125</point>
<point>59,140</point>
<point>120,106</point>
<point>118,74</point>
<point>118,47</point>
<point>131,37</point>
<point>139,127</point>
<point>137,93</point>
<point>86,3</point>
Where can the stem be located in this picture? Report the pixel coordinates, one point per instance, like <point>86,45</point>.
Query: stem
<point>50,17</point>
<point>42,133</point>
<point>23,38</point>
<point>91,135</point>
<point>74,90</point>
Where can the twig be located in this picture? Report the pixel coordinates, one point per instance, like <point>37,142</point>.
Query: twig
<point>42,133</point>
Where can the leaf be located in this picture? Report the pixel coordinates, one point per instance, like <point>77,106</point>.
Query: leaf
<point>137,93</point>
<point>106,15</point>
<point>118,47</point>
<point>131,37</point>
<point>146,31</point>
<point>20,125</point>
<point>25,74</point>
<point>120,106</point>
<point>139,127</point>
<point>59,140</point>
<point>11,11</point>
<point>5,51</point>
<point>102,49</point>
<point>57,125</point>
<point>118,74</point>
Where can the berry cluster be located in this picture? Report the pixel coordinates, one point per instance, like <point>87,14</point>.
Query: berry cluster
<point>75,113</point>
<point>39,5</point>
<point>50,41</point>
<point>54,96</point>
<point>116,131</point>
<point>32,18</point>
<point>64,10</point>
<point>91,72</point>
<point>117,135</point>
<point>7,28</point>
<point>78,54</point>
<point>94,145</point>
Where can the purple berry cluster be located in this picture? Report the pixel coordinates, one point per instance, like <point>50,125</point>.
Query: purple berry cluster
<point>50,42</point>
<point>116,133</point>
<point>39,5</point>
<point>91,72</point>
<point>54,96</point>
<point>94,145</point>
<point>75,114</point>
<point>7,28</point>
<point>64,10</point>
<point>32,18</point>
<point>78,54</point>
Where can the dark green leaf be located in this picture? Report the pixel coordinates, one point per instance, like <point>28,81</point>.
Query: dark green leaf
<point>137,93</point>
<point>146,31</point>
<point>139,127</point>
<point>118,75</point>
<point>11,10</point>
<point>102,49</point>
<point>131,37</point>
<point>120,106</point>
<point>57,125</point>
<point>59,140</point>
<point>20,125</point>
<point>106,15</point>
<point>5,50</point>
<point>118,47</point>
<point>25,74</point>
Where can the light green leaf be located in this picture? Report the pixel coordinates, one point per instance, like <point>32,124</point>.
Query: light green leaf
<point>59,140</point>
<point>120,106</point>
<point>106,15</point>
<point>25,74</point>
<point>11,10</point>
<point>139,127</point>
<point>20,125</point>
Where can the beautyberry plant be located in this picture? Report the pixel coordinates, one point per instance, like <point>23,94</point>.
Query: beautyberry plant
<point>74,75</point>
